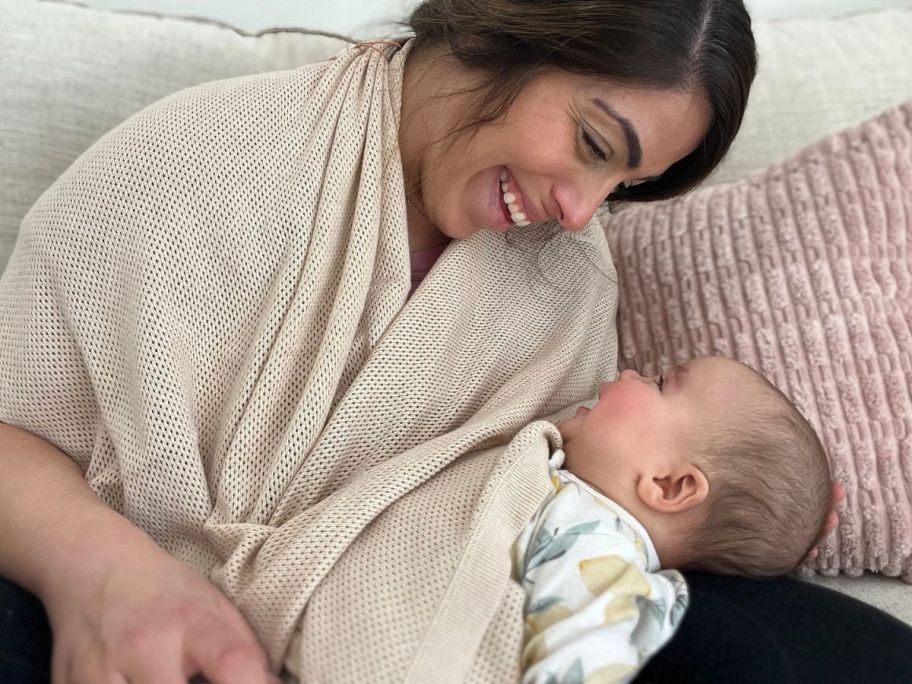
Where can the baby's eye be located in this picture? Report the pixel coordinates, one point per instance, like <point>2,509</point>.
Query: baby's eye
<point>593,146</point>
<point>660,381</point>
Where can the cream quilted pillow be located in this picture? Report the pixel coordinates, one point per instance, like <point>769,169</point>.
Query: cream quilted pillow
<point>804,272</point>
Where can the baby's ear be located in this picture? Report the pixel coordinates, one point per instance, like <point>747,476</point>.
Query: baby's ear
<point>674,491</point>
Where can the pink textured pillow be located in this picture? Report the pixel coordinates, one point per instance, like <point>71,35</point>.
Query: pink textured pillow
<point>804,272</point>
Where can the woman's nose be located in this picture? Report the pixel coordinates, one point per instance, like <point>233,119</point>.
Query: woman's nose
<point>577,203</point>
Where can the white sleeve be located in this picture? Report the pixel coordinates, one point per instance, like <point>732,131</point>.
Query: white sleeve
<point>593,610</point>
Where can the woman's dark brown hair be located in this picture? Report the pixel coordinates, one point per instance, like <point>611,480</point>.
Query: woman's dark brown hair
<point>687,45</point>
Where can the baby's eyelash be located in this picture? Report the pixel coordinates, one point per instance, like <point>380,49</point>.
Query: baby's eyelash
<point>660,381</point>
<point>593,146</point>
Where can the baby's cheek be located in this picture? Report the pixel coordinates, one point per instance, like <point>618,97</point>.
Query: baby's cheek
<point>625,407</point>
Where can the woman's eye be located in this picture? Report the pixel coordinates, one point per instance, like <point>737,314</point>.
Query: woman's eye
<point>593,146</point>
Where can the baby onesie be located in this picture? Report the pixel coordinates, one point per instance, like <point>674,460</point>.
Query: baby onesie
<point>598,606</point>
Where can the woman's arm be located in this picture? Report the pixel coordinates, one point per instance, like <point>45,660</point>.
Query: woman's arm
<point>118,604</point>
<point>46,508</point>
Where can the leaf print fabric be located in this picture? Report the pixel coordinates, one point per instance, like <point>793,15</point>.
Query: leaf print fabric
<point>553,545</point>
<point>598,606</point>
<point>624,578</point>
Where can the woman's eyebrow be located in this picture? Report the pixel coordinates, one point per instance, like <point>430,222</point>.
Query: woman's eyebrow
<point>634,151</point>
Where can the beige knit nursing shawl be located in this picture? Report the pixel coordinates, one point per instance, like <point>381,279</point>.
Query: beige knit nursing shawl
<point>208,312</point>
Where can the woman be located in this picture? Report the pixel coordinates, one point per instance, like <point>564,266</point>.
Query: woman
<point>511,113</point>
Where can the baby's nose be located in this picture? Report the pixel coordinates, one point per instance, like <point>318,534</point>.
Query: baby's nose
<point>629,374</point>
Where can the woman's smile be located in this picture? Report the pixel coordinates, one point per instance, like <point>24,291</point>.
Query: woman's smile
<point>511,199</point>
<point>532,165</point>
<point>500,213</point>
<point>507,206</point>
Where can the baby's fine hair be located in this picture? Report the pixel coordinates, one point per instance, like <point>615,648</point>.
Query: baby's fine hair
<point>769,489</point>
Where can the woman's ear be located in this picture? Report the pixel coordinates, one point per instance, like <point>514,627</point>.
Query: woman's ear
<point>674,491</point>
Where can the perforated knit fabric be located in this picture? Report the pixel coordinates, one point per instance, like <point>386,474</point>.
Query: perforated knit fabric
<point>208,313</point>
<point>803,271</point>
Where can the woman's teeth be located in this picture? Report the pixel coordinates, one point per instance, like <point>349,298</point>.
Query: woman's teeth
<point>519,218</point>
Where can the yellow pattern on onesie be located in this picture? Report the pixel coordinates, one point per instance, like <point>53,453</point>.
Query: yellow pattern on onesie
<point>598,606</point>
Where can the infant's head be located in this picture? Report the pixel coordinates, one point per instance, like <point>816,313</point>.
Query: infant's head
<point>718,465</point>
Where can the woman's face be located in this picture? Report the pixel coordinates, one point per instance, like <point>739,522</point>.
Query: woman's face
<point>564,145</point>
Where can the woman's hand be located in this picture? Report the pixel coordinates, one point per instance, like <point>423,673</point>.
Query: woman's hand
<point>149,619</point>
<point>832,519</point>
<point>122,610</point>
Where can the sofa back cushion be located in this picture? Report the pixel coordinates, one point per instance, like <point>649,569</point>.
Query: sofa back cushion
<point>816,77</point>
<point>69,74</point>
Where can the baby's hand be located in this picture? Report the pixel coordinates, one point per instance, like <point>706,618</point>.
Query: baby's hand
<point>831,521</point>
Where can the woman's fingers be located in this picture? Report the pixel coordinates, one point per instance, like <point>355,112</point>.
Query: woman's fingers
<point>831,522</point>
<point>146,618</point>
<point>832,519</point>
<point>226,651</point>
<point>109,678</point>
<point>139,656</point>
<point>91,668</point>
<point>838,492</point>
<point>152,658</point>
<point>225,660</point>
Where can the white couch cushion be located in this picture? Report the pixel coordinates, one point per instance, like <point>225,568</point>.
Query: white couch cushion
<point>69,74</point>
<point>818,77</point>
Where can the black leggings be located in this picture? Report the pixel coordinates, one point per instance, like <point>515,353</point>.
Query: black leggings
<point>783,631</point>
<point>736,630</point>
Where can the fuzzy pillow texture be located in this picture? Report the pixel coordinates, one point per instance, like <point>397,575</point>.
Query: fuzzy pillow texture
<point>804,272</point>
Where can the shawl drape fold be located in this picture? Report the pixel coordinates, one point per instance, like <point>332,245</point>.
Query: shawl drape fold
<point>208,313</point>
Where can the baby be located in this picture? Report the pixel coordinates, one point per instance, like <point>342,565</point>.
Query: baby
<point>705,467</point>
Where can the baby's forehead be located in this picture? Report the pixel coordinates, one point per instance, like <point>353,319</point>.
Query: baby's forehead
<point>715,368</point>
<point>723,378</point>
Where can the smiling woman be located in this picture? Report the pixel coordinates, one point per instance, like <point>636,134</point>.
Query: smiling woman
<point>565,144</point>
<point>243,426</point>
<point>572,103</point>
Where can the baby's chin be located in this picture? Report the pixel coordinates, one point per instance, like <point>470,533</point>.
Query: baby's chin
<point>569,426</point>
